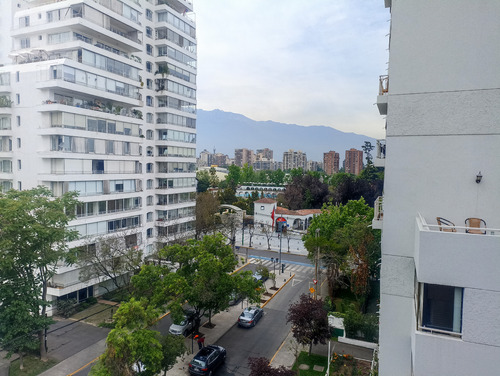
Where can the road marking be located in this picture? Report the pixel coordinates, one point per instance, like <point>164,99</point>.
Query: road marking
<point>296,281</point>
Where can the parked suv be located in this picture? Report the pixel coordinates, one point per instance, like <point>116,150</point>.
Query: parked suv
<point>207,360</point>
<point>250,316</point>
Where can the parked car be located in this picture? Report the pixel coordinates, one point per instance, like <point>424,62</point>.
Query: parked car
<point>207,360</point>
<point>184,327</point>
<point>258,277</point>
<point>235,299</point>
<point>250,316</point>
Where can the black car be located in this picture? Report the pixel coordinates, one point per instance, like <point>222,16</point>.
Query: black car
<point>250,316</point>
<point>207,360</point>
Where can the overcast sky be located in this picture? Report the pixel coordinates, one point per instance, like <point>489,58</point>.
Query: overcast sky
<point>306,62</point>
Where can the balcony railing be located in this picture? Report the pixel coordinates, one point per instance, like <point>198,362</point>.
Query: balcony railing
<point>383,87</point>
<point>378,214</point>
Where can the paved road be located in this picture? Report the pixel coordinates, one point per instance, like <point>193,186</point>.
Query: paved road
<point>266,337</point>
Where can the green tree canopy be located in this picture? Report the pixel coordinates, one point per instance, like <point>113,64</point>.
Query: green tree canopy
<point>33,236</point>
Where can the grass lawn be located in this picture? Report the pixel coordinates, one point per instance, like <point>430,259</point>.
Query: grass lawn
<point>96,313</point>
<point>32,366</point>
<point>340,365</point>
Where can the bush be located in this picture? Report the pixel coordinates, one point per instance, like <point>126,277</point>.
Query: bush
<point>359,326</point>
<point>66,307</point>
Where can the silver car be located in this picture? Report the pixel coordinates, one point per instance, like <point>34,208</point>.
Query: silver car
<point>250,316</point>
<point>184,327</point>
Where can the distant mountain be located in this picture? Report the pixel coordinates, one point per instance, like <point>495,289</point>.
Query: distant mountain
<point>226,131</point>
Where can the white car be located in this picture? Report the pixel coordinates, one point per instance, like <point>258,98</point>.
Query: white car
<point>184,327</point>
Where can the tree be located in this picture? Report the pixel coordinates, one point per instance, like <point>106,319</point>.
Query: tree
<point>309,321</point>
<point>207,206</point>
<point>172,347</point>
<point>33,236</point>
<point>203,181</point>
<point>131,346</point>
<point>367,148</point>
<point>268,232</point>
<point>247,174</point>
<point>277,177</point>
<point>251,232</point>
<point>305,192</point>
<point>110,259</point>
<point>233,178</point>
<point>334,225</point>
<point>261,367</point>
<point>204,266</point>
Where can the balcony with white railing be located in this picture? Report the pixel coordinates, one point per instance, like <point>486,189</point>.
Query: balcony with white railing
<point>457,255</point>
<point>379,160</point>
<point>378,213</point>
<point>383,91</point>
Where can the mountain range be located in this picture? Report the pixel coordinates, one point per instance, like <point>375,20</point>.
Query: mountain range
<point>226,131</point>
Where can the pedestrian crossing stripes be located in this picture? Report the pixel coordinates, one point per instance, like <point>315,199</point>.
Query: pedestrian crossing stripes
<point>290,266</point>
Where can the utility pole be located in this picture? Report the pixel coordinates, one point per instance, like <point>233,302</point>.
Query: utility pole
<point>316,261</point>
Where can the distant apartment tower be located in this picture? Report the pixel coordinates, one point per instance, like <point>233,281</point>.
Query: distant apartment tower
<point>205,158</point>
<point>220,159</point>
<point>314,166</point>
<point>264,154</point>
<point>99,97</point>
<point>294,159</point>
<point>353,161</point>
<point>243,156</point>
<point>331,162</point>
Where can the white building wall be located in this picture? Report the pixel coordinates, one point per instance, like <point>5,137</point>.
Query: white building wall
<point>442,130</point>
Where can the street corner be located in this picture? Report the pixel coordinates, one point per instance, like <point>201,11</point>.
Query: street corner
<point>273,288</point>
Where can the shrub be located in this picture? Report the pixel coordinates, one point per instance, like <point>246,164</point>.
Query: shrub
<point>361,326</point>
<point>66,307</point>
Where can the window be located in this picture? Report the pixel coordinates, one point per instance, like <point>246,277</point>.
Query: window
<point>149,101</point>
<point>149,84</point>
<point>149,118</point>
<point>149,32</point>
<point>25,43</point>
<point>18,119</point>
<point>17,76</point>
<point>18,98</point>
<point>149,168</point>
<point>149,232</point>
<point>18,164</point>
<point>19,143</point>
<point>149,49</point>
<point>149,66</point>
<point>441,308</point>
<point>149,217</point>
<point>149,134</point>
<point>149,200</point>
<point>149,14</point>
<point>149,184</point>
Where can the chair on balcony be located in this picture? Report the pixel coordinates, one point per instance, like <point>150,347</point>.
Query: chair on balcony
<point>475,226</point>
<point>445,225</point>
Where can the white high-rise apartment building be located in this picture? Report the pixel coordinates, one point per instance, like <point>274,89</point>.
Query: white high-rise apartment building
<point>440,285</point>
<point>100,97</point>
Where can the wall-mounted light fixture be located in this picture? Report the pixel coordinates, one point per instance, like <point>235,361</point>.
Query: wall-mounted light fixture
<point>479,177</point>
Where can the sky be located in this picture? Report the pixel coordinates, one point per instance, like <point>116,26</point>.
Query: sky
<point>305,62</point>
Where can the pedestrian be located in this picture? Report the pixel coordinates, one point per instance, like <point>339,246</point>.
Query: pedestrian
<point>202,341</point>
<point>199,341</point>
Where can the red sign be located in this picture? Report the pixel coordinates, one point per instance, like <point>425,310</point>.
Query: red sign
<point>315,281</point>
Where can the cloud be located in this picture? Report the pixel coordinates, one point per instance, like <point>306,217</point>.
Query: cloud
<point>294,61</point>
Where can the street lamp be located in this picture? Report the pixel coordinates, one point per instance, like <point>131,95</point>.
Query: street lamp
<point>316,263</point>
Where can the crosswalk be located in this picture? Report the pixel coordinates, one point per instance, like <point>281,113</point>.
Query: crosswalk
<point>290,266</point>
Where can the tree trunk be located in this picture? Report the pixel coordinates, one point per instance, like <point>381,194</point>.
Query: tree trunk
<point>310,348</point>
<point>21,360</point>
<point>43,313</point>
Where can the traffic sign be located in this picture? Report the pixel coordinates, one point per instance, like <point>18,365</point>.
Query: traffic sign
<point>315,281</point>
<point>312,290</point>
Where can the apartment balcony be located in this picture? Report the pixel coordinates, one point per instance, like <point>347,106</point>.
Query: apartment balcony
<point>378,214</point>
<point>383,91</point>
<point>448,255</point>
<point>379,160</point>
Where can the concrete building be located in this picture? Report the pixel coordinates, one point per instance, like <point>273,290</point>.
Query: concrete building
<point>331,162</point>
<point>243,156</point>
<point>298,220</point>
<point>440,285</point>
<point>264,154</point>
<point>353,162</point>
<point>100,98</point>
<point>294,159</point>
<point>314,166</point>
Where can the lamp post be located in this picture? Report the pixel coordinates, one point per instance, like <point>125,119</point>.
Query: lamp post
<point>280,235</point>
